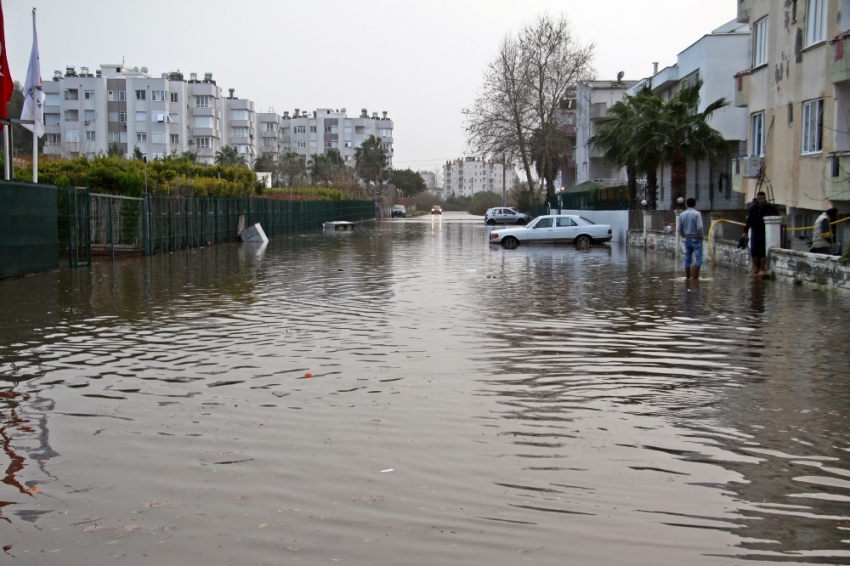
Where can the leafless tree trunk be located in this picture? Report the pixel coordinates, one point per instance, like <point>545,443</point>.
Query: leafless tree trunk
<point>523,87</point>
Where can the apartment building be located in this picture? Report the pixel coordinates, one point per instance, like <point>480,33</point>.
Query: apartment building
<point>469,175</point>
<point>711,59</point>
<point>125,108</point>
<point>430,178</point>
<point>240,125</point>
<point>796,92</point>
<point>577,116</point>
<point>324,129</point>
<point>269,138</point>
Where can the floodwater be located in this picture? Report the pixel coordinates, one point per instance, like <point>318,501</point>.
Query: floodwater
<point>405,394</point>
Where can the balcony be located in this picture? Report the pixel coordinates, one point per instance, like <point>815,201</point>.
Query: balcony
<point>744,9</point>
<point>598,111</point>
<point>742,89</point>
<point>837,177</point>
<point>665,78</point>
<point>840,70</point>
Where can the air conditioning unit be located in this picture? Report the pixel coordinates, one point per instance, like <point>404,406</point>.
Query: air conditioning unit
<point>752,166</point>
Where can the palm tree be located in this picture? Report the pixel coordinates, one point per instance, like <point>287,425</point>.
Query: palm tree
<point>613,138</point>
<point>292,167</point>
<point>323,167</point>
<point>228,156</point>
<point>371,162</point>
<point>687,133</point>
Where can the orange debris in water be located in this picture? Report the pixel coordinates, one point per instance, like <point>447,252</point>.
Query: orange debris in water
<point>308,374</point>
<point>33,490</point>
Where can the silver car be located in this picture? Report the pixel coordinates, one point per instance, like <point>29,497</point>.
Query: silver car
<point>562,228</point>
<point>505,215</point>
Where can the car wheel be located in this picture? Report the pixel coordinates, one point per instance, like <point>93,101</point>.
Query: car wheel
<point>520,221</point>
<point>491,222</point>
<point>583,242</point>
<point>510,243</point>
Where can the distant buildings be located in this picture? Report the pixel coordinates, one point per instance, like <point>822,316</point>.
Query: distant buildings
<point>430,179</point>
<point>122,109</point>
<point>469,175</point>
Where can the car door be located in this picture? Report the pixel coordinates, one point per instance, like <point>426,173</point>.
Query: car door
<point>565,229</point>
<point>543,230</point>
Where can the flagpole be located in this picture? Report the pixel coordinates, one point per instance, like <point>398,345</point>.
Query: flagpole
<point>34,131</point>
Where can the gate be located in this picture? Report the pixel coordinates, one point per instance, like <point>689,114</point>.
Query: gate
<point>76,215</point>
<point>117,225</point>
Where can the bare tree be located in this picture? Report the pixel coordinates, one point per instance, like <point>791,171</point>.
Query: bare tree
<point>523,88</point>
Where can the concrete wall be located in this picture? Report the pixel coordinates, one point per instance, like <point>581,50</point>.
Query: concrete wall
<point>617,219</point>
<point>789,265</point>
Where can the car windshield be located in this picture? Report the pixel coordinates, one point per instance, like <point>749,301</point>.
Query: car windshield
<point>586,221</point>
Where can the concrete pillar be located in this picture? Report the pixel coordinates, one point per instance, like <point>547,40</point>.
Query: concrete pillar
<point>772,237</point>
<point>647,222</point>
<point>678,237</point>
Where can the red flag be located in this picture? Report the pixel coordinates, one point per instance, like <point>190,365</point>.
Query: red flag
<point>7,86</point>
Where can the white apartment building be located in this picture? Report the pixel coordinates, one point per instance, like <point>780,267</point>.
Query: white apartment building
<point>268,138</point>
<point>126,108</point>
<point>240,127</point>
<point>430,179</point>
<point>325,129</point>
<point>713,59</point>
<point>469,175</point>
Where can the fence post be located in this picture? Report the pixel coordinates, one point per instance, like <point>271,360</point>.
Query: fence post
<point>772,237</point>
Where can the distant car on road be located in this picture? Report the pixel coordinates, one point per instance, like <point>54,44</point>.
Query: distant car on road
<point>398,210</point>
<point>505,215</point>
<point>553,229</point>
<point>436,210</point>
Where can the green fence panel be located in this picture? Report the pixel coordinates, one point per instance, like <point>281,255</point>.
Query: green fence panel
<point>29,238</point>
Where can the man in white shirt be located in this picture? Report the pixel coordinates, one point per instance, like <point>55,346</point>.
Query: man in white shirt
<point>690,228</point>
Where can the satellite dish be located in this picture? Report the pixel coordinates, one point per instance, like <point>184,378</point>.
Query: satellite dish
<point>135,69</point>
<point>144,69</point>
<point>620,76</point>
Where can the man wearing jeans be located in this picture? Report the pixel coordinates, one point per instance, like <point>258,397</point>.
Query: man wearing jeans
<point>690,228</point>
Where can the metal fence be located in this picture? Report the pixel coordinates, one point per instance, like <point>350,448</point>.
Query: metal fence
<point>28,225</point>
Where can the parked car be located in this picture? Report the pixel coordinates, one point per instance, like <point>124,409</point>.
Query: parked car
<point>398,210</point>
<point>553,229</point>
<point>436,210</point>
<point>505,215</point>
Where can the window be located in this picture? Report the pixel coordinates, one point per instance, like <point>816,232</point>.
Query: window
<point>51,119</point>
<point>51,99</point>
<point>239,114</point>
<point>240,132</point>
<point>114,137</point>
<point>158,95</point>
<point>348,144</point>
<point>386,132</point>
<point>312,129</point>
<point>140,95</point>
<point>112,116</point>
<point>160,117</point>
<point>88,116</point>
<point>174,117</point>
<point>759,43</point>
<point>300,129</point>
<point>89,135</point>
<point>314,144</point>
<point>813,126</point>
<point>202,101</point>
<point>141,116</point>
<point>72,115</point>
<point>269,142</point>
<point>327,145</point>
<point>141,137</point>
<point>203,121</point>
<point>334,129</point>
<point>347,129</point>
<point>88,94</point>
<point>53,139</point>
<point>790,113</point>
<point>327,129</point>
<point>815,22</point>
<point>116,95</point>
<point>387,146</point>
<point>203,143</point>
<point>301,144</point>
<point>158,137</point>
<point>123,137</point>
<point>72,136</point>
<point>122,117</point>
<point>175,139</point>
<point>72,94</point>
<point>173,97</point>
<point>757,134</point>
<point>268,126</point>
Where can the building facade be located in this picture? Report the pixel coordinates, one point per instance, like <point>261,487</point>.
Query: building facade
<point>324,129</point>
<point>795,90</point>
<point>711,59</point>
<point>469,175</point>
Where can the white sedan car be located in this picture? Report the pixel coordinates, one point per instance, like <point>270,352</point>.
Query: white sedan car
<point>553,229</point>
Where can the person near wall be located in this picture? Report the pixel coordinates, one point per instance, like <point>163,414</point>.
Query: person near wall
<point>691,229</point>
<point>755,227</point>
<point>822,237</point>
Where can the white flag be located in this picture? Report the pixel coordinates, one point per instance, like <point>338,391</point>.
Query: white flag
<point>33,92</point>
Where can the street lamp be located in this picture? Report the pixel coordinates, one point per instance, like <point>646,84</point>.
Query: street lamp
<point>681,201</point>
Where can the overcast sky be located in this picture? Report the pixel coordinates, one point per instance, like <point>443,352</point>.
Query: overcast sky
<point>420,60</point>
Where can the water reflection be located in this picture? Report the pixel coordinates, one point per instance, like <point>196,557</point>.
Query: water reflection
<point>408,385</point>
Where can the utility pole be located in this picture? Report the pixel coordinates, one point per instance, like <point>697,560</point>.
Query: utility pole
<point>504,192</point>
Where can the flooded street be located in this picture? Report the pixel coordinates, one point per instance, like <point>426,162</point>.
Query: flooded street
<point>407,394</point>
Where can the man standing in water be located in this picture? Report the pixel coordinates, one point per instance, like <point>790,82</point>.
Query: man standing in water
<point>755,225</point>
<point>690,228</point>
